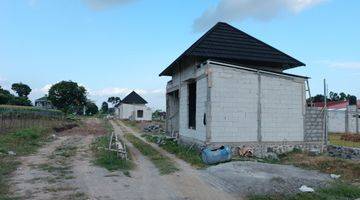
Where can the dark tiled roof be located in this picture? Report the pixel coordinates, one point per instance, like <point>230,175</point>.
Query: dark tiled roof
<point>225,42</point>
<point>44,98</point>
<point>134,98</point>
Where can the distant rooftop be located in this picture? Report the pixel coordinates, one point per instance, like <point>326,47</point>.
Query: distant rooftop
<point>133,98</point>
<point>44,98</point>
<point>335,105</point>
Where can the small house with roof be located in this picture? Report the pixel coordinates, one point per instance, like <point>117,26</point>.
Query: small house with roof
<point>230,87</point>
<point>133,107</point>
<point>44,103</point>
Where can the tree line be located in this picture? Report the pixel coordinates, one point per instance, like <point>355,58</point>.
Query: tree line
<point>21,99</point>
<point>333,96</point>
<point>66,96</point>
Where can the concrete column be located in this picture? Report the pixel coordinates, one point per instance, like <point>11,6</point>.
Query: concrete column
<point>208,104</point>
<point>259,136</point>
<point>347,119</point>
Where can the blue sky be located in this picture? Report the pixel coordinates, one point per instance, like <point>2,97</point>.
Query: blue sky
<point>115,46</point>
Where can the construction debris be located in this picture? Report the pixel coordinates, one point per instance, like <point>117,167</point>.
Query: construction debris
<point>305,188</point>
<point>314,152</point>
<point>116,145</point>
<point>11,153</point>
<point>246,151</point>
<point>153,128</point>
<point>335,176</point>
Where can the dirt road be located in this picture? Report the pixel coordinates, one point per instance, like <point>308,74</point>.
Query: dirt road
<point>63,169</point>
<point>184,184</point>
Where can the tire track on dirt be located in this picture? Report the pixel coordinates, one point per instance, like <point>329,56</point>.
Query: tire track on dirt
<point>188,180</point>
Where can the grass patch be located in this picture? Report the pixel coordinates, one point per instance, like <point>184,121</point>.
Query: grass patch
<point>133,125</point>
<point>22,142</point>
<point>338,191</point>
<point>77,196</point>
<point>183,152</point>
<point>162,162</point>
<point>66,150</point>
<point>335,139</point>
<point>109,159</point>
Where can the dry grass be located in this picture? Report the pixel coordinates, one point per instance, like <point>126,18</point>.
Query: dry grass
<point>348,169</point>
<point>335,139</point>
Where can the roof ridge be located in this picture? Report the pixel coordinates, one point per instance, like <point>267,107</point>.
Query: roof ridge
<point>226,35</point>
<point>203,37</point>
<point>133,97</point>
<point>195,44</point>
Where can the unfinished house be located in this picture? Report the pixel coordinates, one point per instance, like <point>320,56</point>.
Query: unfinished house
<point>229,87</point>
<point>133,107</point>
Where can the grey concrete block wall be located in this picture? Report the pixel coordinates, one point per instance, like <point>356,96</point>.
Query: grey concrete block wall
<point>230,96</point>
<point>336,121</point>
<point>314,124</point>
<point>339,122</point>
<point>235,106</point>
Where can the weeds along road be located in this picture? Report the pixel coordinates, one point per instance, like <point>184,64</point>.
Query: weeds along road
<point>64,169</point>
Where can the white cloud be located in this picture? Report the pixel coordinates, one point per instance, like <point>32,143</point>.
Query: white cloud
<point>239,10</point>
<point>42,91</point>
<point>116,91</point>
<point>345,65</point>
<point>103,4</point>
<point>340,64</point>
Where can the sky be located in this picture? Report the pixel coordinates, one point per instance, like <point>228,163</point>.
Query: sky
<point>115,46</point>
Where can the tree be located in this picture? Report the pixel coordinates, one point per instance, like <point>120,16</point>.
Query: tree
<point>68,96</point>
<point>5,96</point>
<point>111,111</point>
<point>334,96</point>
<point>157,114</point>
<point>21,89</point>
<point>317,98</point>
<point>104,107</point>
<point>20,101</point>
<point>91,108</point>
<point>352,100</point>
<point>114,100</point>
<point>342,96</point>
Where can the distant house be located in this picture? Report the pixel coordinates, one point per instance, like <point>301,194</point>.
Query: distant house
<point>230,87</point>
<point>133,107</point>
<point>43,103</point>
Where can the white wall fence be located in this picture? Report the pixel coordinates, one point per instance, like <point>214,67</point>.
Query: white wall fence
<point>341,121</point>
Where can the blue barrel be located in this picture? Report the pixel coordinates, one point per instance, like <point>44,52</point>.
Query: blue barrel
<point>218,155</point>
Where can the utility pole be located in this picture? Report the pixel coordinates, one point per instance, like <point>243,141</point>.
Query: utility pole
<point>325,114</point>
<point>357,115</point>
